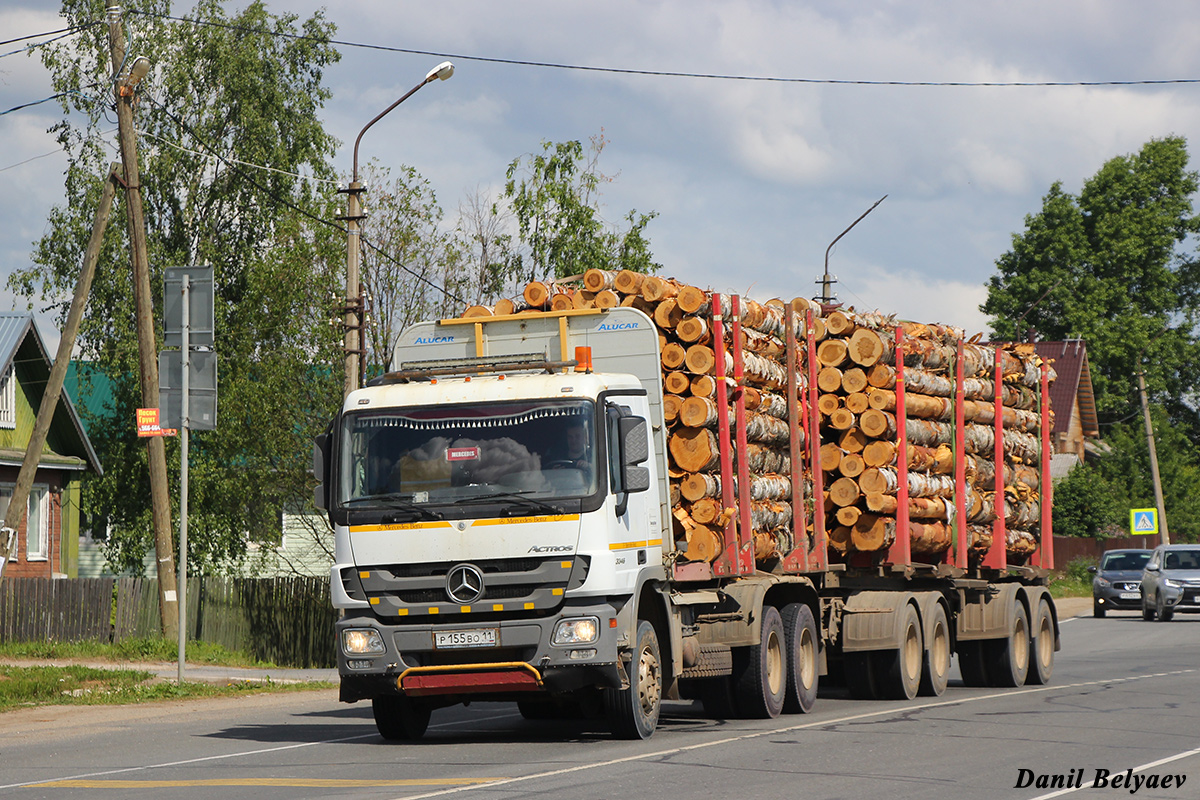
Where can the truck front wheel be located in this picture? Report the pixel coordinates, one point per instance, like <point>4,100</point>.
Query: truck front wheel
<point>399,718</point>
<point>633,711</point>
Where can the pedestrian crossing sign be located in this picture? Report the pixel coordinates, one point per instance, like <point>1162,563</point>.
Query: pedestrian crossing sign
<point>1143,521</point>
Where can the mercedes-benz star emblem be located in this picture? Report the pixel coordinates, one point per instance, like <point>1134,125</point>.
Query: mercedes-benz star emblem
<point>464,584</point>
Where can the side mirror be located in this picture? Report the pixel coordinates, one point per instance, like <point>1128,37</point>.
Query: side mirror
<point>1152,568</point>
<point>1092,570</point>
<point>635,449</point>
<point>320,452</point>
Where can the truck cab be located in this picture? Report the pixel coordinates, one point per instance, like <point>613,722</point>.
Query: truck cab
<point>492,519</point>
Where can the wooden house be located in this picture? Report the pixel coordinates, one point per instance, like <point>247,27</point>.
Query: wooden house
<point>47,543</point>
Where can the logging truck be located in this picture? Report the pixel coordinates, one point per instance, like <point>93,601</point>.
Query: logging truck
<point>592,508</point>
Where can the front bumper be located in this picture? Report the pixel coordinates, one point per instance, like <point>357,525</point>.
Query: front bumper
<point>1118,594</point>
<point>1181,598</point>
<point>522,660</point>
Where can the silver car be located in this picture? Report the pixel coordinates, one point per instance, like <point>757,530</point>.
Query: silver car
<point>1171,581</point>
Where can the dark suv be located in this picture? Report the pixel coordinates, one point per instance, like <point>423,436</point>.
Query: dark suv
<point>1117,582</point>
<point>1171,581</point>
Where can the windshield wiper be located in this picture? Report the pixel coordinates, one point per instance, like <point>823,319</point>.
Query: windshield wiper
<point>395,500</point>
<point>518,497</point>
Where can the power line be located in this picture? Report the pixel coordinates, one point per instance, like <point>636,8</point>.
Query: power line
<point>234,166</point>
<point>671,73</point>
<point>74,29</point>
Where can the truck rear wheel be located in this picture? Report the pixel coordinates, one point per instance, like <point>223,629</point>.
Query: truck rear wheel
<point>859,669</point>
<point>972,663</point>
<point>1042,646</point>
<point>398,719</point>
<point>935,672</point>
<point>900,673</point>
<point>760,671</point>
<point>1008,658</point>
<point>800,635</point>
<point>633,711</point>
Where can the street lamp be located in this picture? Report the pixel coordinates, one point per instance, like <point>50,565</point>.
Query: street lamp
<point>352,343</point>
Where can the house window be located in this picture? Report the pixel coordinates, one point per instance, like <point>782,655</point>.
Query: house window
<point>37,526</point>
<point>8,400</point>
<point>37,522</point>
<point>6,493</point>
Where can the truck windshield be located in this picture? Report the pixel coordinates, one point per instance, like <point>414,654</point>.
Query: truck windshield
<point>523,454</point>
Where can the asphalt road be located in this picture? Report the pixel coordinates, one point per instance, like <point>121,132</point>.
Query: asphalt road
<point>1125,695</point>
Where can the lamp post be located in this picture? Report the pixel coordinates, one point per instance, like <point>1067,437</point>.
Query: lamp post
<point>353,313</point>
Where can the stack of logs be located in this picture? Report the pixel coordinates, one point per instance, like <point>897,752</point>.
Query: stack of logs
<point>856,375</point>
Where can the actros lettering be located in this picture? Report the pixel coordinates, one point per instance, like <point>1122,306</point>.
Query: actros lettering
<point>551,548</point>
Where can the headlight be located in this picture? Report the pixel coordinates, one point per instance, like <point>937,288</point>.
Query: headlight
<point>1102,581</point>
<point>1172,584</point>
<point>576,631</point>
<point>362,641</point>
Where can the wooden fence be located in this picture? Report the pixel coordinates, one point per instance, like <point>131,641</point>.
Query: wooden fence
<point>1069,548</point>
<point>288,621</point>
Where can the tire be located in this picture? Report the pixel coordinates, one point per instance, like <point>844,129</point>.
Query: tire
<point>1041,645</point>
<point>972,663</point>
<point>1098,611</point>
<point>760,672</point>
<point>633,711</point>
<point>802,643</point>
<point>1008,658</point>
<point>399,719</point>
<point>1147,611</point>
<point>935,672</point>
<point>1162,613</point>
<point>900,668</point>
<point>716,697</point>
<point>859,669</point>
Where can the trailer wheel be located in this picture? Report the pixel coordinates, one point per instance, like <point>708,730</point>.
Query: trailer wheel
<point>760,671</point>
<point>633,711</point>
<point>935,672</point>
<point>859,669</point>
<point>1042,646</point>
<point>900,668</point>
<point>972,663</point>
<point>398,719</point>
<point>1009,657</point>
<point>800,635</point>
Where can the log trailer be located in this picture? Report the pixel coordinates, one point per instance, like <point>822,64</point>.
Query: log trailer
<point>478,559</point>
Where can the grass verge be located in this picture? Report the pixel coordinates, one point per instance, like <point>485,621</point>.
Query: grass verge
<point>131,650</point>
<point>24,687</point>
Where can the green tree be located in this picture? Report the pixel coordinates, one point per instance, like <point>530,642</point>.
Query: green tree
<point>1086,504</point>
<point>224,92</point>
<point>1107,267</point>
<point>554,198</point>
<point>1126,470</point>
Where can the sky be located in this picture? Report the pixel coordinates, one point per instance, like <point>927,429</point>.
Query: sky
<point>751,179</point>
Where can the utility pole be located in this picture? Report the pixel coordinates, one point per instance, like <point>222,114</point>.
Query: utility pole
<point>66,343</point>
<point>1164,536</point>
<point>125,79</point>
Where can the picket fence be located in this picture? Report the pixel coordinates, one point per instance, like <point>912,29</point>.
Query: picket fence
<point>287,621</point>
